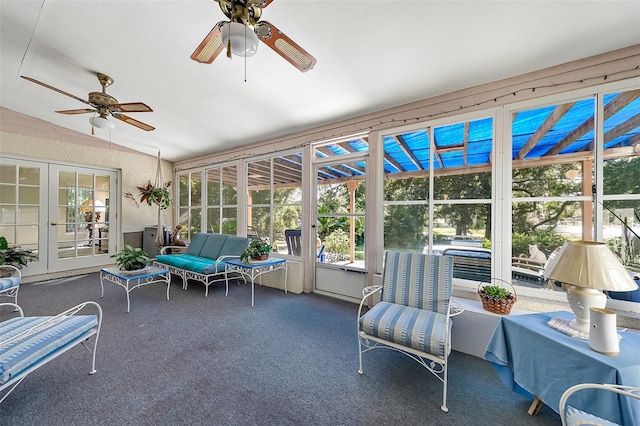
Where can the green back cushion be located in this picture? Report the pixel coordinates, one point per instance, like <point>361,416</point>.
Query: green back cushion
<point>197,242</point>
<point>234,246</point>
<point>213,245</point>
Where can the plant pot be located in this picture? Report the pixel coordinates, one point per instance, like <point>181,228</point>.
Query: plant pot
<point>261,257</point>
<point>495,305</point>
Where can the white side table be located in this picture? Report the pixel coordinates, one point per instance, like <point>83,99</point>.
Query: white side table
<point>254,269</point>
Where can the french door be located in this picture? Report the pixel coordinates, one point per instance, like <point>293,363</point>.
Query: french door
<point>61,212</point>
<point>80,207</point>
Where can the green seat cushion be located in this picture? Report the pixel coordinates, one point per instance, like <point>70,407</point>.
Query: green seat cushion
<point>176,260</point>
<point>203,266</point>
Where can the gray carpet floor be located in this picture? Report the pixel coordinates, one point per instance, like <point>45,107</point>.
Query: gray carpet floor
<point>289,360</point>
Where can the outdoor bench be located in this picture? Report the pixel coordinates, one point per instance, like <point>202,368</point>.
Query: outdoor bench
<point>205,258</point>
<point>27,343</point>
<point>470,264</point>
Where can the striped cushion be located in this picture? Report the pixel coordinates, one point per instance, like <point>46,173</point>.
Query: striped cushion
<point>9,282</point>
<point>418,280</point>
<point>32,348</point>
<point>408,326</point>
<point>576,417</point>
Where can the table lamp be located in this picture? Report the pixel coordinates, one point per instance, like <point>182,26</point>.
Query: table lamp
<point>588,268</point>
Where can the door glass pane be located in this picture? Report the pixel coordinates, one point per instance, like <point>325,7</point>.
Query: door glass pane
<point>340,191</point>
<point>19,200</point>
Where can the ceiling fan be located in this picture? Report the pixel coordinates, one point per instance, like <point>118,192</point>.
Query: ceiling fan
<point>103,105</point>
<point>241,33</point>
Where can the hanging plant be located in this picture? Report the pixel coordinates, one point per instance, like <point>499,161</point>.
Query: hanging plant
<point>158,195</point>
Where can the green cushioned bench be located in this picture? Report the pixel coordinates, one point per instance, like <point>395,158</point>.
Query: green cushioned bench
<point>205,258</point>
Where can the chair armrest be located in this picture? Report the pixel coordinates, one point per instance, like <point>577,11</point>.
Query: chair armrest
<point>164,249</point>
<point>455,308</point>
<point>629,391</point>
<point>15,307</point>
<point>227,257</point>
<point>367,291</point>
<point>13,270</point>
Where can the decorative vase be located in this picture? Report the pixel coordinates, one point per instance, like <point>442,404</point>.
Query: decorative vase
<point>603,334</point>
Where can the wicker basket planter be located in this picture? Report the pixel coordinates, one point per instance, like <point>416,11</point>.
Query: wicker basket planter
<point>501,306</point>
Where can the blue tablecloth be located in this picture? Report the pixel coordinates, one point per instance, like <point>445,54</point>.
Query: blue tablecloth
<point>533,357</point>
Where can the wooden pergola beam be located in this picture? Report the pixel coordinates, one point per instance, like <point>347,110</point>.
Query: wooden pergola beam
<point>544,128</point>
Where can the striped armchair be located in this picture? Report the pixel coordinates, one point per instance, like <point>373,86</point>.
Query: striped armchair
<point>414,314</point>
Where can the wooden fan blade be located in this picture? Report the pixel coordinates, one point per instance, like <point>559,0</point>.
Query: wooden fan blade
<point>76,111</point>
<point>33,80</point>
<point>133,107</point>
<point>284,46</point>
<point>134,122</point>
<point>210,47</point>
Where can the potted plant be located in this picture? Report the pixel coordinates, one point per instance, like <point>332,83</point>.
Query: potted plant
<point>132,259</point>
<point>14,255</point>
<point>496,298</point>
<point>257,250</point>
<point>158,195</point>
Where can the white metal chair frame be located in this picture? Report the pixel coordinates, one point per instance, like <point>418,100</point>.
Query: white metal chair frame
<point>12,291</point>
<point>16,380</point>
<point>434,364</point>
<point>629,391</point>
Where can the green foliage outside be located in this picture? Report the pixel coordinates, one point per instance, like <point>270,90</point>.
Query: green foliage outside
<point>547,241</point>
<point>405,226</point>
<point>338,243</point>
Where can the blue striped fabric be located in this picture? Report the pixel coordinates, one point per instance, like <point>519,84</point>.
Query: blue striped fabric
<point>27,351</point>
<point>9,282</point>
<point>408,326</point>
<point>577,417</point>
<point>418,280</point>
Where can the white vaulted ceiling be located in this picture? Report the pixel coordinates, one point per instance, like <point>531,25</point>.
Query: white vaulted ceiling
<point>371,55</point>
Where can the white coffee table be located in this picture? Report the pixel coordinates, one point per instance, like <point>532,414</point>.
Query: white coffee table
<point>133,280</point>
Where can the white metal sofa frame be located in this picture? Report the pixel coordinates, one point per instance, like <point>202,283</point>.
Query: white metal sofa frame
<point>10,285</point>
<point>414,314</point>
<point>578,417</point>
<point>40,339</point>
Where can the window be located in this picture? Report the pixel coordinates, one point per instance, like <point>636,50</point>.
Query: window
<point>274,198</point>
<point>437,191</point>
<point>220,202</point>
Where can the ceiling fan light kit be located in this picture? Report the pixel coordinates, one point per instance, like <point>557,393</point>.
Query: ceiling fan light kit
<point>102,123</point>
<point>239,39</point>
<point>103,105</point>
<point>242,31</point>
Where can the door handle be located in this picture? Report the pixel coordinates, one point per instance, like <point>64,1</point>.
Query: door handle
<point>54,223</point>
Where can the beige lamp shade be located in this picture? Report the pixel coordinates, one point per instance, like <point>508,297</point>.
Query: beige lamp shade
<point>88,205</point>
<point>590,265</point>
